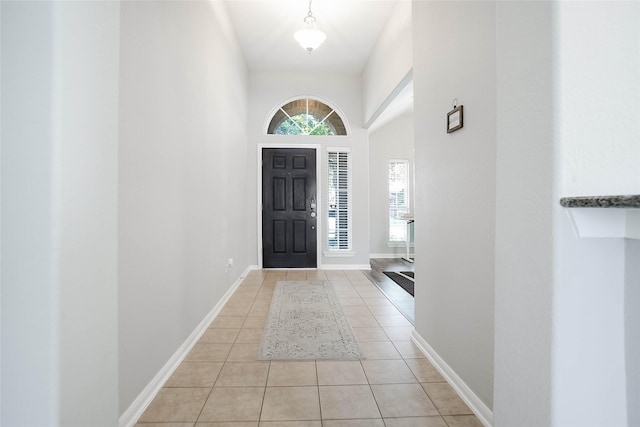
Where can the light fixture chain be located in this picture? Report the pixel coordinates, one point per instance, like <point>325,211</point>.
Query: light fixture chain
<point>310,37</point>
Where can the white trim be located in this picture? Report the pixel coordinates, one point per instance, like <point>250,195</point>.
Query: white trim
<point>605,223</point>
<point>391,255</point>
<point>140,404</point>
<point>345,267</point>
<point>402,244</point>
<point>408,78</point>
<point>339,149</point>
<point>338,254</point>
<point>319,206</point>
<point>482,411</point>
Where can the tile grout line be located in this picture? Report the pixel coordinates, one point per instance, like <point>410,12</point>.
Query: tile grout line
<point>315,362</point>
<point>367,376</point>
<point>226,361</point>
<point>264,393</point>
<point>221,368</point>
<point>266,284</point>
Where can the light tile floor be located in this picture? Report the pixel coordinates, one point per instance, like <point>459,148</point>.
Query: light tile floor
<point>220,383</point>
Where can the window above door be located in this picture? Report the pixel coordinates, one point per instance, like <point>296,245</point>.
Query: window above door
<point>306,116</point>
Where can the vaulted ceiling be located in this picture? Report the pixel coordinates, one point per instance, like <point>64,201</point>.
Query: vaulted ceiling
<point>265,30</point>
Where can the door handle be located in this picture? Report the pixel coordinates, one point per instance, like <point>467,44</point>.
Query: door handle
<point>312,205</point>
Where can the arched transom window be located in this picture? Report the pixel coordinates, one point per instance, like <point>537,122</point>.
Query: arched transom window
<point>306,117</point>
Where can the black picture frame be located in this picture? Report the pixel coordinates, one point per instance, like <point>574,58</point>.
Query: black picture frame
<point>454,119</point>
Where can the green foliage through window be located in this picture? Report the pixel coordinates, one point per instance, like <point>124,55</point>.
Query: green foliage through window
<point>306,117</point>
<point>304,124</point>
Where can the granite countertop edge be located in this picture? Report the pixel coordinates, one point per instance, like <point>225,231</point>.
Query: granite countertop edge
<point>626,201</point>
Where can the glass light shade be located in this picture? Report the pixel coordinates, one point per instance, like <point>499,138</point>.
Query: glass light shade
<point>310,38</point>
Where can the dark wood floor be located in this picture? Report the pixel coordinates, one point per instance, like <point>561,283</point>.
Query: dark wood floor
<point>398,296</point>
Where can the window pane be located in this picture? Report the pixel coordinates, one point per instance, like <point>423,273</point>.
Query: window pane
<point>339,215</point>
<point>398,199</point>
<point>306,117</point>
<point>288,127</point>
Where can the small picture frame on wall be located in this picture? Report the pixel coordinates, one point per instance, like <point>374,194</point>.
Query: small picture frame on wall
<point>454,119</point>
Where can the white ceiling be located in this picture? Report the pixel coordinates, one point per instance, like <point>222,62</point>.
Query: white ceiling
<point>265,30</point>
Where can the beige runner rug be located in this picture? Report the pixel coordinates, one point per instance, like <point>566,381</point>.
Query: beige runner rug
<point>306,322</point>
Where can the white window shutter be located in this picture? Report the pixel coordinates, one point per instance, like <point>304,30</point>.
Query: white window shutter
<point>339,212</point>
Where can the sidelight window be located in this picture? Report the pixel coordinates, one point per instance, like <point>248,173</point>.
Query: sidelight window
<point>339,209</point>
<point>398,199</point>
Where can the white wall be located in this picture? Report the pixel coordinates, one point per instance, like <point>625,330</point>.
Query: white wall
<point>563,94</point>
<point>560,300</point>
<point>598,89</point>
<point>456,186</point>
<point>59,240</point>
<point>632,330</point>
<point>599,83</point>
<point>182,187</point>
<point>394,140</point>
<point>86,159</point>
<point>589,330</point>
<point>390,62</point>
<point>526,193</point>
<point>30,324</point>
<point>269,91</point>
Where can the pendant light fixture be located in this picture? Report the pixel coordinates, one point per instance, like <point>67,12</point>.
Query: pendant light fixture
<point>310,37</point>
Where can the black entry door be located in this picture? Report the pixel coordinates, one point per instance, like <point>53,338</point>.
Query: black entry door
<point>289,208</point>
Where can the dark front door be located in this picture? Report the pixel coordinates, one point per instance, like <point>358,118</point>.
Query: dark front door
<point>289,208</point>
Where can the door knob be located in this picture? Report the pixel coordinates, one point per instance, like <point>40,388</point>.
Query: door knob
<point>313,214</point>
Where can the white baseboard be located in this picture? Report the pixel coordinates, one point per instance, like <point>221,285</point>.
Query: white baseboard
<point>140,404</point>
<point>345,267</point>
<point>482,411</point>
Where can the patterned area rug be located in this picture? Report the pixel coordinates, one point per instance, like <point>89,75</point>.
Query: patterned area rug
<point>306,322</point>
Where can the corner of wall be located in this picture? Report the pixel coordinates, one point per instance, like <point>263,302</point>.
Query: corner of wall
<point>131,415</point>
<point>482,411</point>
<point>390,61</point>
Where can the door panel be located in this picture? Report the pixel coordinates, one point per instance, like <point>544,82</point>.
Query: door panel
<point>279,237</point>
<point>289,223</point>
<point>299,236</point>
<point>299,194</point>
<point>279,193</point>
